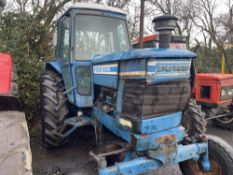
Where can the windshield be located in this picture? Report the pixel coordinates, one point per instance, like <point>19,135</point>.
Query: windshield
<point>98,35</point>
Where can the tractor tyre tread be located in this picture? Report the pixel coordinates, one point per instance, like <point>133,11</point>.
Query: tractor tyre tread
<point>54,108</point>
<point>194,119</point>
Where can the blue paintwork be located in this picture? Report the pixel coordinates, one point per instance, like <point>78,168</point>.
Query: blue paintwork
<point>133,65</point>
<point>205,162</point>
<point>106,69</point>
<point>111,124</point>
<point>107,74</point>
<point>144,53</point>
<point>106,81</point>
<point>167,70</point>
<point>119,97</point>
<point>55,65</point>
<point>81,100</point>
<point>156,80</point>
<point>143,164</point>
<point>148,141</point>
<point>156,124</point>
<point>133,167</point>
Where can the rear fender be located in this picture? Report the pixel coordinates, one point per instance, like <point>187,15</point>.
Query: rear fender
<point>54,65</point>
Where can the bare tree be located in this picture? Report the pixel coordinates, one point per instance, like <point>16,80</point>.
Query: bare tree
<point>118,3</point>
<point>204,12</point>
<point>133,20</point>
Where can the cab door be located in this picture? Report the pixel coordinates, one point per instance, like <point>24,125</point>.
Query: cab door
<point>64,49</point>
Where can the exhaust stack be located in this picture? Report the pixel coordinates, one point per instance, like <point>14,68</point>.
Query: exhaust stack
<point>164,25</point>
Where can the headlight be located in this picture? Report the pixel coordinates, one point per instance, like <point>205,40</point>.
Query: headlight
<point>230,92</point>
<point>227,92</point>
<point>125,123</point>
<point>223,93</point>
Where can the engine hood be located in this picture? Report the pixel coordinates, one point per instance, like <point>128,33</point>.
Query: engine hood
<point>144,53</point>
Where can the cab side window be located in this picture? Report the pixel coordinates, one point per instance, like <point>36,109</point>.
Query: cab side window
<point>64,38</point>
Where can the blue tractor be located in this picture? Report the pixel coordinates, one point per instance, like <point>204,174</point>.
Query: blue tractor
<point>141,96</point>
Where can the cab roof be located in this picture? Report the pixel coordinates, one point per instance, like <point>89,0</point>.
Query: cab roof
<point>214,76</point>
<point>94,6</point>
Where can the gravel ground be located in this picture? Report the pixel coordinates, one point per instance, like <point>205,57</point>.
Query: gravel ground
<point>73,158</point>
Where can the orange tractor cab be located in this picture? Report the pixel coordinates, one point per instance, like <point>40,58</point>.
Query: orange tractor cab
<point>213,91</point>
<point>152,41</point>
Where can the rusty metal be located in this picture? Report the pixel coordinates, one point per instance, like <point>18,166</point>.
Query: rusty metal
<point>108,150</point>
<point>112,149</point>
<point>168,139</point>
<point>167,146</point>
<point>101,161</point>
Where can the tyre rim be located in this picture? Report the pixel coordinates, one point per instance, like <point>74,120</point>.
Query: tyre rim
<point>216,169</point>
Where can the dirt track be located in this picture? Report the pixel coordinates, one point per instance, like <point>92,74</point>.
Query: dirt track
<point>73,159</point>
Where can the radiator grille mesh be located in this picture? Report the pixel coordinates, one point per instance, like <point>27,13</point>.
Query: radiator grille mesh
<point>144,101</point>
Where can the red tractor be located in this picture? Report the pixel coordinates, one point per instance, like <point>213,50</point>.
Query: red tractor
<point>152,41</point>
<point>213,91</point>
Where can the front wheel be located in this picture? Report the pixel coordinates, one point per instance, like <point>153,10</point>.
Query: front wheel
<point>221,158</point>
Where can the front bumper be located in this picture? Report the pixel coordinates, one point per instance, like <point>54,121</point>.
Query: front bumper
<point>145,164</point>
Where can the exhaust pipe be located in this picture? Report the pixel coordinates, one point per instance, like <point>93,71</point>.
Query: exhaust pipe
<point>164,25</point>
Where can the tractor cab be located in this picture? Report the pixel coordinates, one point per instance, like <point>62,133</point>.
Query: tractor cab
<point>85,32</point>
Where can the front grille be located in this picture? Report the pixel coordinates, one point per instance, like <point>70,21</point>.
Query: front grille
<point>141,100</point>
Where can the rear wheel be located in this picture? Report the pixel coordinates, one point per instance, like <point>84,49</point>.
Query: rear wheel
<point>221,159</point>
<point>54,106</point>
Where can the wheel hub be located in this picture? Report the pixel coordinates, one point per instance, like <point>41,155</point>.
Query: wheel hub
<point>196,169</point>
